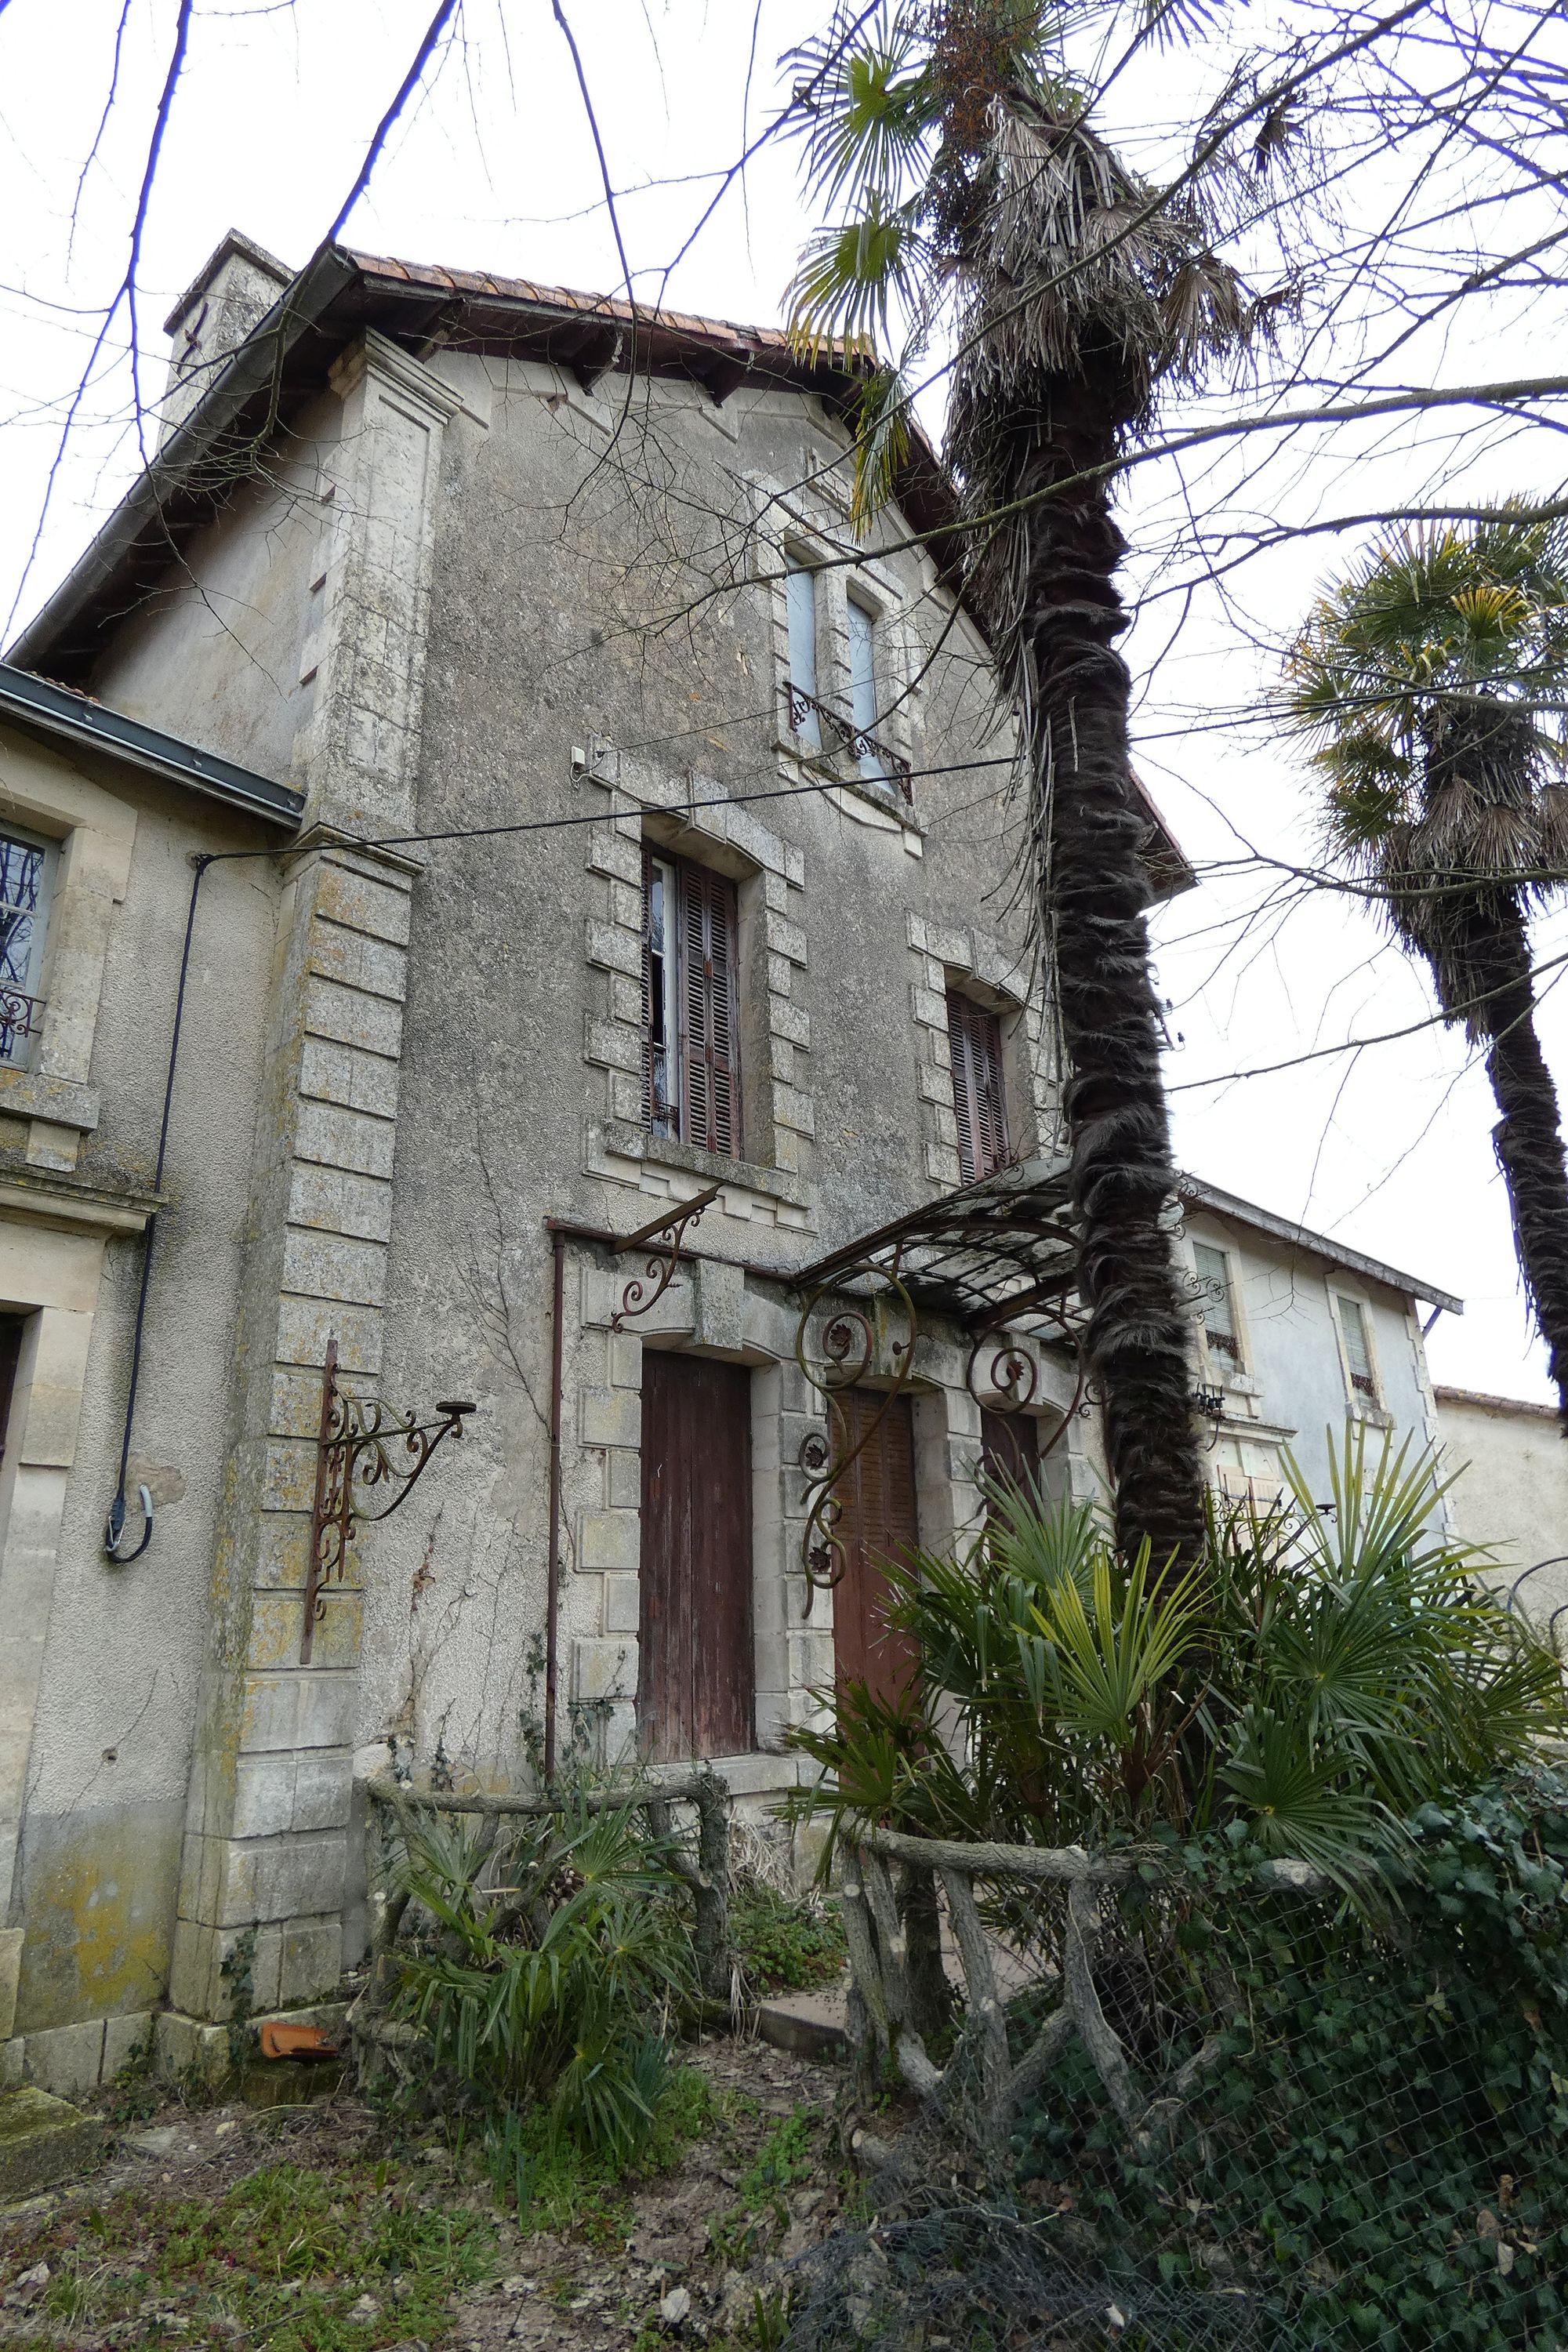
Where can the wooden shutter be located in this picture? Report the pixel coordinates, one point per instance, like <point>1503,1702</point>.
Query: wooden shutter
<point>647,987</point>
<point>1010,1447</point>
<point>979,1097</point>
<point>711,1077</point>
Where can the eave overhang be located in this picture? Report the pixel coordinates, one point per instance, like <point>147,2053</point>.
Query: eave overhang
<point>40,706</point>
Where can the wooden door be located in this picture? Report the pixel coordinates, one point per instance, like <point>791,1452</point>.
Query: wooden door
<point>878,1523</point>
<point>1010,1447</point>
<point>695,1676</point>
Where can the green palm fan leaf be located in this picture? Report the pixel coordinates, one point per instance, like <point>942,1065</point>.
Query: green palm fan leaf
<point>1430,686</point>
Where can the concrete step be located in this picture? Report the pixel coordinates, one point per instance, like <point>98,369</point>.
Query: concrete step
<point>41,2139</point>
<point>808,2024</point>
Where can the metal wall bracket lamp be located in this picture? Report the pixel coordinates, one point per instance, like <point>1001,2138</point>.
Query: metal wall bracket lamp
<point>352,1460</point>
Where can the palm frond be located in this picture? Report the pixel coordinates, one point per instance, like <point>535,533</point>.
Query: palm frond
<point>870,107</point>
<point>848,277</point>
<point>881,420</point>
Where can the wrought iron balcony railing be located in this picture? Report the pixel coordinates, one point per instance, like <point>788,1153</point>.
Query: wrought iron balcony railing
<point>18,1018</point>
<point>839,734</point>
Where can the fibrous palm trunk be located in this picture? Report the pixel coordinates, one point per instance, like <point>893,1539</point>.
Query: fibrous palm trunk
<point>1527,1138</point>
<point>1050,580</point>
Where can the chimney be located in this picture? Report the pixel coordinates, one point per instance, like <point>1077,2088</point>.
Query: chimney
<point>234,290</point>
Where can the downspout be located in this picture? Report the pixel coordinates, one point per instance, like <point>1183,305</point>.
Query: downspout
<point>114,1525</point>
<point>552,1600</point>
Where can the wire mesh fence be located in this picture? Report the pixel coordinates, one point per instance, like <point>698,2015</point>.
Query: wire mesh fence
<point>1337,2123</point>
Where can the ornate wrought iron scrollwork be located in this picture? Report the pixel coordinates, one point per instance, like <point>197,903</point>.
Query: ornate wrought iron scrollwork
<point>676,1223</point>
<point>18,1017</point>
<point>841,734</point>
<point>848,1354</point>
<point>1014,1374</point>
<point>353,1460</point>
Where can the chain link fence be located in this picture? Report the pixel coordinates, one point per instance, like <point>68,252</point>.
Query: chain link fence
<point>1337,2123</point>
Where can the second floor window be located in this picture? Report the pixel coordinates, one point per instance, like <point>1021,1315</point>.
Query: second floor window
<point>1358,1348</point>
<point>979,1094</point>
<point>22,912</point>
<point>691,1077</point>
<point>800,606</point>
<point>1220,1334</point>
<point>863,683</point>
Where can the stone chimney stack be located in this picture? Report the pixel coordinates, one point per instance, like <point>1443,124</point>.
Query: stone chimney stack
<point>234,288</point>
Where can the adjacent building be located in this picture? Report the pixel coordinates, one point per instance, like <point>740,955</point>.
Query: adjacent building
<point>1510,1466</point>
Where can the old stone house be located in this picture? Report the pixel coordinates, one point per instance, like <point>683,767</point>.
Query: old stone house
<point>587,828</point>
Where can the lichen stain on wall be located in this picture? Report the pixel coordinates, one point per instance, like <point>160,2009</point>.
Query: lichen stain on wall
<point>99,1898</point>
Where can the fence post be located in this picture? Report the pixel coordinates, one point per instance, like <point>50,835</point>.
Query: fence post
<point>711,1891</point>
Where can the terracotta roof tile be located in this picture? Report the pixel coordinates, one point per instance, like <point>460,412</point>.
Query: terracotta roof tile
<point>772,341</point>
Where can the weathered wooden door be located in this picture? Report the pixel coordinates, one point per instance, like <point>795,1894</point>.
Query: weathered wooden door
<point>695,1676</point>
<point>1010,1446</point>
<point>878,1523</point>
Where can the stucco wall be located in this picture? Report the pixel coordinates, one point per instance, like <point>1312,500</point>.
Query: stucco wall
<point>107,1744</point>
<point>394,1071</point>
<point>217,654</point>
<point>552,549</point>
<point>1291,1390</point>
<point>1511,1489</point>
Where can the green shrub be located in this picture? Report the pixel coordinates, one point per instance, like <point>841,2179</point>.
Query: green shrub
<point>549,1972</point>
<point>560,2185</point>
<point>1377,2153</point>
<point>1311,1681</point>
<point>784,1945</point>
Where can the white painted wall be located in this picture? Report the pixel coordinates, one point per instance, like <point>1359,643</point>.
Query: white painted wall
<point>1511,1489</point>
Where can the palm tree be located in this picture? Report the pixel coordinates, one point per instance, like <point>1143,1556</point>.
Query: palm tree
<point>1432,681</point>
<point>965,184</point>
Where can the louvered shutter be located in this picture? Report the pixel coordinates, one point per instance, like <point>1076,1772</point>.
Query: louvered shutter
<point>646,988</point>
<point>979,1097</point>
<point>709,1061</point>
<point>963,1083</point>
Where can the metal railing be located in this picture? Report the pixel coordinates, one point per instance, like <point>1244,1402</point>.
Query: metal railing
<point>839,734</point>
<point>18,1018</point>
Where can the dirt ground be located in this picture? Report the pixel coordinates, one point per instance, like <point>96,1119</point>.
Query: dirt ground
<point>326,2229</point>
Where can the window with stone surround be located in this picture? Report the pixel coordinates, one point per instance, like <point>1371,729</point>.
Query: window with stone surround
<point>691,1075</point>
<point>1355,1347</point>
<point>800,607</point>
<point>979,1087</point>
<point>1217,1294</point>
<point>863,703</point>
<point>26,869</point>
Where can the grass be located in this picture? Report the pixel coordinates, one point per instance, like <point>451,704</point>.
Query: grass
<point>560,2186</point>
<point>784,1945</point>
<point>281,2258</point>
<point>787,2157</point>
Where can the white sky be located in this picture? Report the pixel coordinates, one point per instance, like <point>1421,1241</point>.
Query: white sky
<point>494,169</point>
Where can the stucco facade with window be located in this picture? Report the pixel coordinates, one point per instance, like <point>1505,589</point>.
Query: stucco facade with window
<point>1297,1337</point>
<point>574,884</point>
